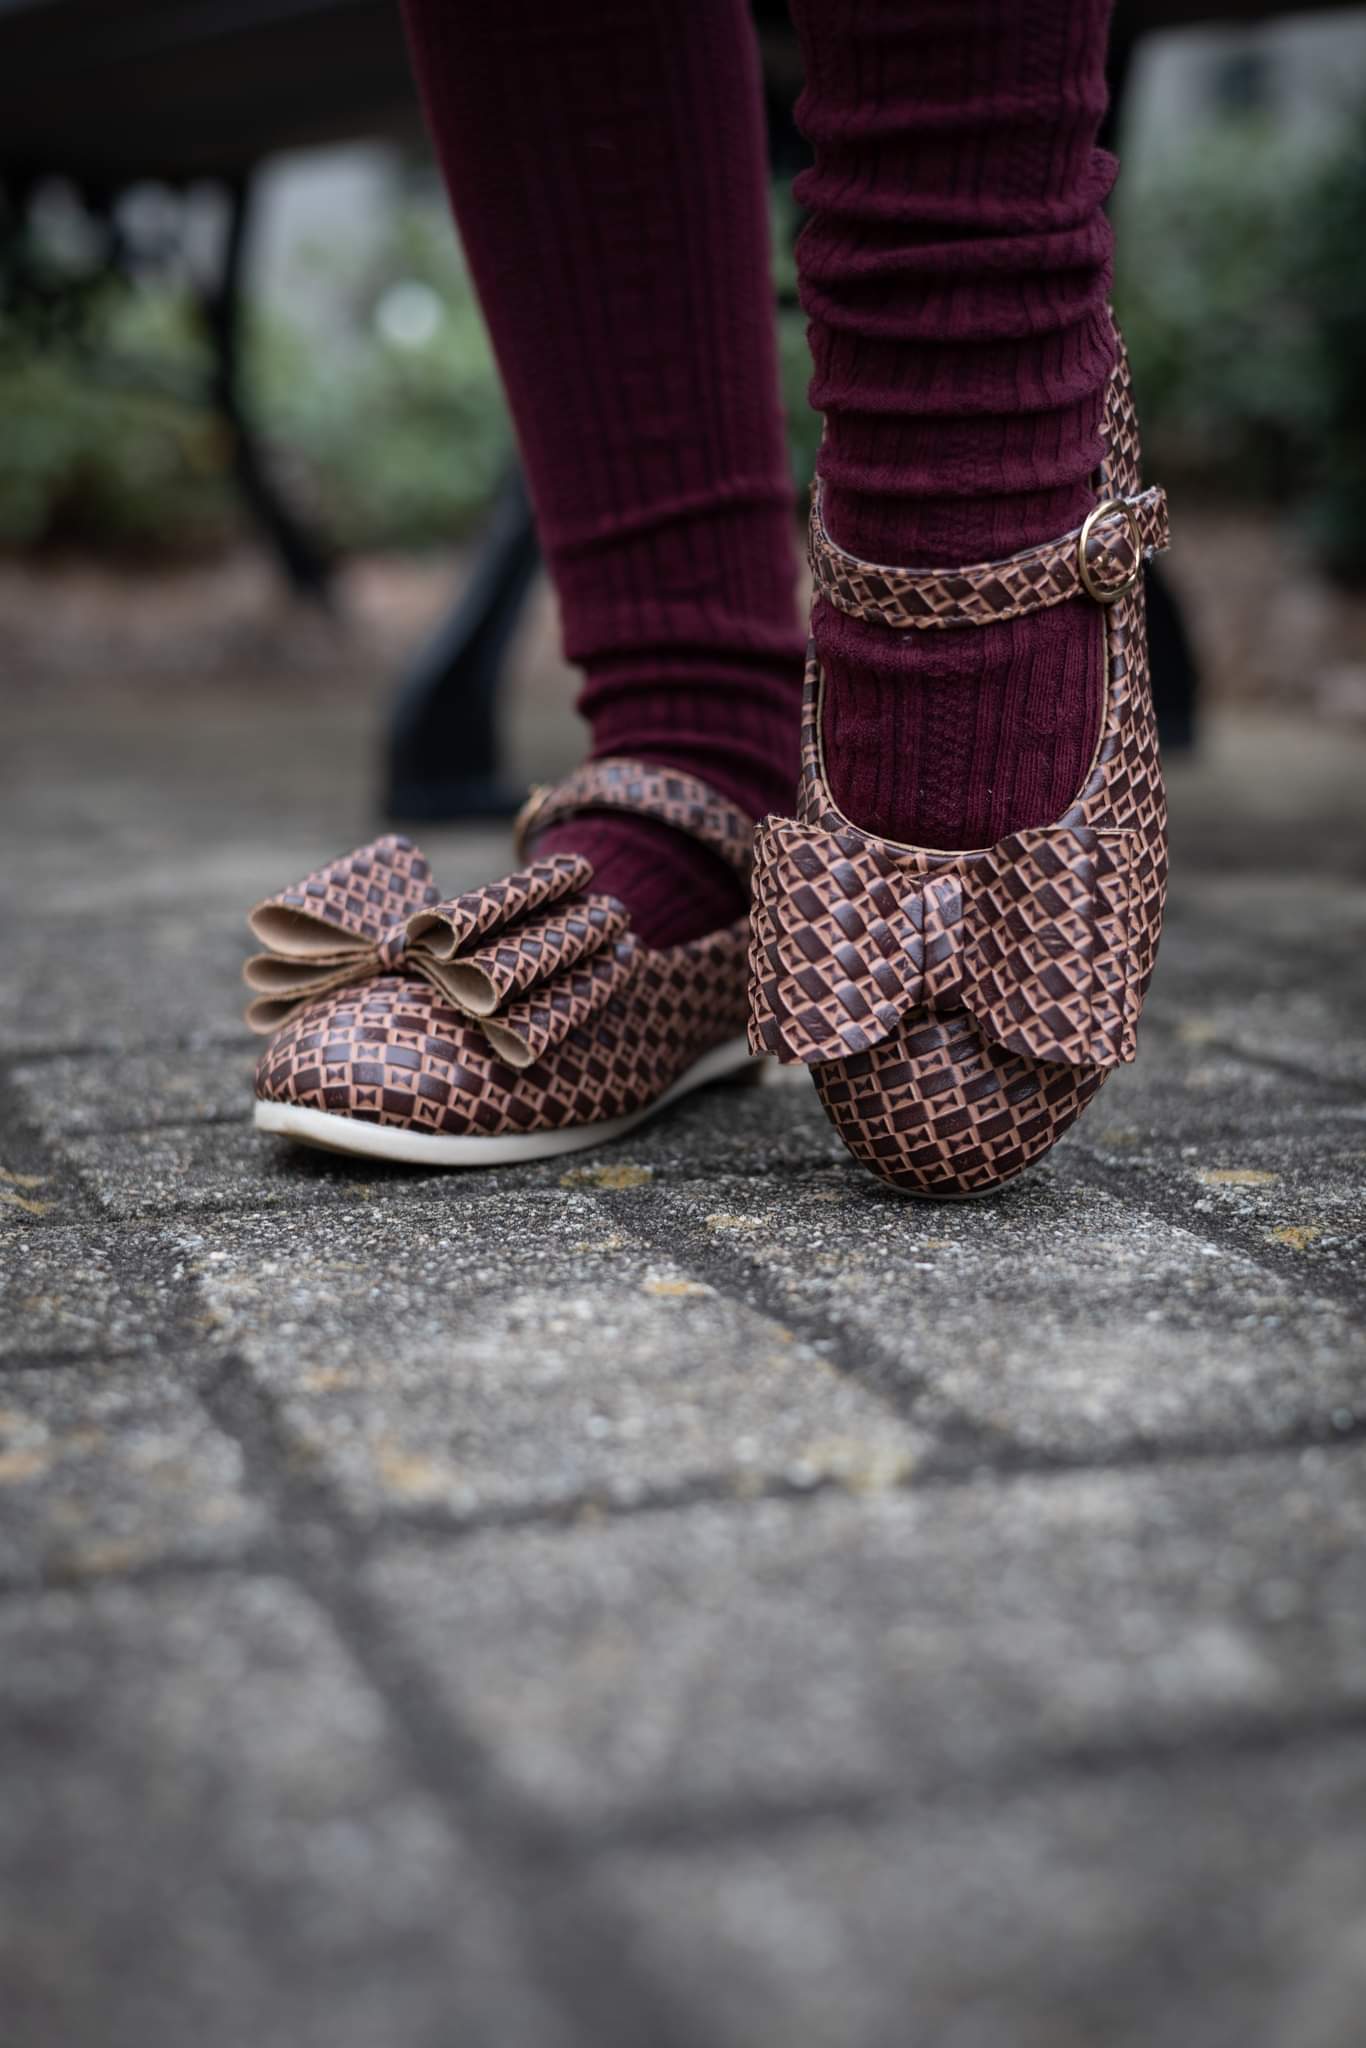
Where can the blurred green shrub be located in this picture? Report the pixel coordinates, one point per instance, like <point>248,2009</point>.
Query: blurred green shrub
<point>397,431</point>
<point>91,455</point>
<point>1242,294</point>
<point>389,432</point>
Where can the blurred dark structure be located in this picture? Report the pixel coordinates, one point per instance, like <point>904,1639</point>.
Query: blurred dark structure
<point>179,91</point>
<point>444,758</point>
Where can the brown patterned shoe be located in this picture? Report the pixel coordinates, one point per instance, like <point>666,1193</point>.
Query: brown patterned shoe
<point>514,1022</point>
<point>959,1010</point>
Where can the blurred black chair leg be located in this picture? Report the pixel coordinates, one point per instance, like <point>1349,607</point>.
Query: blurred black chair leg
<point>443,730</point>
<point>1174,671</point>
<point>305,563</point>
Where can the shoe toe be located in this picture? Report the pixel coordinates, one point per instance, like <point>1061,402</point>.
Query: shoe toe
<point>939,1111</point>
<point>387,1053</point>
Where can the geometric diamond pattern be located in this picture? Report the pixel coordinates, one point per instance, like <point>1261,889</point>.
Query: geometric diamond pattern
<point>959,1011</point>
<point>525,1005</point>
<point>540,919</point>
<point>363,893</point>
<point>396,1052</point>
<point>1116,544</point>
<point>682,801</point>
<point>1030,937</point>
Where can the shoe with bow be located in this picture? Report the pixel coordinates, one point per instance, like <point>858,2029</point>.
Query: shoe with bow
<point>514,1022</point>
<point>959,1010</point>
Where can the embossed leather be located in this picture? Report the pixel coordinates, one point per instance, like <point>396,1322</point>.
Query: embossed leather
<point>529,958</point>
<point>1117,543</point>
<point>1031,939</point>
<point>683,801</point>
<point>527,1004</point>
<point>958,1010</point>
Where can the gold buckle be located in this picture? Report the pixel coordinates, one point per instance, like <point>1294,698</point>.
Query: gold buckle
<point>1102,593</point>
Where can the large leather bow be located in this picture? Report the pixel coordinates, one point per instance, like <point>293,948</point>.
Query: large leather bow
<point>1031,938</point>
<point>527,959</point>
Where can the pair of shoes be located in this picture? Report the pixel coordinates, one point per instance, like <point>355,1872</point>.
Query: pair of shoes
<point>957,1010</point>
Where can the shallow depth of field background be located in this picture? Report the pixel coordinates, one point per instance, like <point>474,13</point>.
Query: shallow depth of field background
<point>1241,216</point>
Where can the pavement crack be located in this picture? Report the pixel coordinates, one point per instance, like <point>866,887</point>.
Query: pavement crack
<point>744,1284</point>
<point>1157,1194</point>
<point>574,1941</point>
<point>1179,1753</point>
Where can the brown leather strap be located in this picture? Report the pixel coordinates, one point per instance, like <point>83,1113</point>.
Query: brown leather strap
<point>1103,557</point>
<point>683,801</point>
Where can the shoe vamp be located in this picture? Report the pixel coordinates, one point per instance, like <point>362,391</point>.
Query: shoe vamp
<point>394,1051</point>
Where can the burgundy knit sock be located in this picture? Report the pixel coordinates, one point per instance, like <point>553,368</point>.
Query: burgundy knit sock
<point>955,268</point>
<point>606,165</point>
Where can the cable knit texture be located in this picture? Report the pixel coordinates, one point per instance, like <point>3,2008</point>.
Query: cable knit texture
<point>606,166</point>
<point>955,268</point>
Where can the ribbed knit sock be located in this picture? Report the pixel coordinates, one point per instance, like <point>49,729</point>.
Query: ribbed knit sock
<point>955,268</point>
<point>606,166</point>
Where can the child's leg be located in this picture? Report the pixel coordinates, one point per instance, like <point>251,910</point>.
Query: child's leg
<point>956,267</point>
<point>607,168</point>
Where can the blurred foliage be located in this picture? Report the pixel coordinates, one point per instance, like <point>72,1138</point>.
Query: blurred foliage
<point>96,451</point>
<point>1242,294</point>
<point>1241,289</point>
<point>400,437</point>
<point>382,433</point>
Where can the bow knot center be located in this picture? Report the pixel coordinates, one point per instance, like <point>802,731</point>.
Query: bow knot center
<point>392,947</point>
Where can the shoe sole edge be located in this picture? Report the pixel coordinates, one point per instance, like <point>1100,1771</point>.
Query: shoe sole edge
<point>328,1132</point>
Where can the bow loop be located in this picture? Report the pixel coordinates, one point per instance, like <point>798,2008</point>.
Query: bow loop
<point>445,928</point>
<point>528,959</point>
<point>1046,972</point>
<point>850,937</point>
<point>326,931</point>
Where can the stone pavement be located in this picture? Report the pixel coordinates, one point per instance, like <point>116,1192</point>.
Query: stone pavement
<point>687,1597</point>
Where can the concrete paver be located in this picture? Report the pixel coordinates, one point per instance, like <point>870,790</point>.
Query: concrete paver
<point>684,1594</point>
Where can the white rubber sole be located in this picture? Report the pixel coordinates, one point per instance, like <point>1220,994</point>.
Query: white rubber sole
<point>430,1148</point>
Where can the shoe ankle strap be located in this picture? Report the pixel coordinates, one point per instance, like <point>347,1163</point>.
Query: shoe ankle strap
<point>683,801</point>
<point>1102,558</point>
